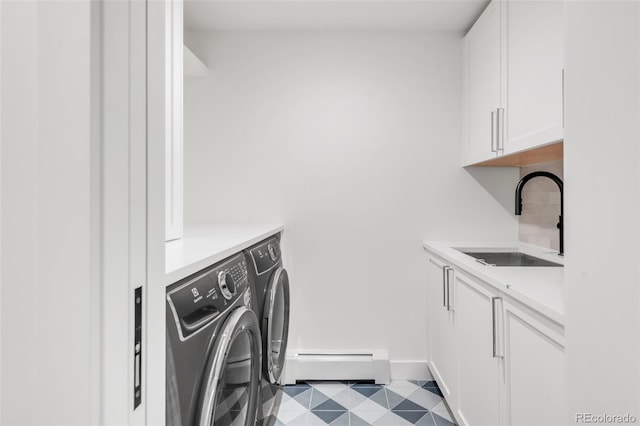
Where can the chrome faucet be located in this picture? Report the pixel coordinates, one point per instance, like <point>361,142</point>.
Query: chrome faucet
<point>558,182</point>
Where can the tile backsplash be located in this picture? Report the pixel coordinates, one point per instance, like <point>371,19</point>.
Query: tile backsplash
<point>541,207</point>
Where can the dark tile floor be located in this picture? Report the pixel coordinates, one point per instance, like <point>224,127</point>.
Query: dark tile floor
<point>402,402</point>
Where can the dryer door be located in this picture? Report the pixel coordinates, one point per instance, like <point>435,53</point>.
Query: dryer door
<point>275,324</point>
<point>231,381</point>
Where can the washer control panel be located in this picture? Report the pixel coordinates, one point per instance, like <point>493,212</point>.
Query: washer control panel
<point>199,299</point>
<point>266,255</point>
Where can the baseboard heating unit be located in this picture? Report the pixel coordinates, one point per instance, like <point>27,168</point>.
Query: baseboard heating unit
<point>338,365</point>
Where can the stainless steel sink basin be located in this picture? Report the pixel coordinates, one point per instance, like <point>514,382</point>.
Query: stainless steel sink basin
<point>512,258</point>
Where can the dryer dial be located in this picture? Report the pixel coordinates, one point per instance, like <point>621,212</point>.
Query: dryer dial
<point>226,284</point>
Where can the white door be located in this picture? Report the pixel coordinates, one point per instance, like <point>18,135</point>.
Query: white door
<point>477,322</point>
<point>534,73</point>
<point>534,369</point>
<point>442,342</point>
<point>482,85</point>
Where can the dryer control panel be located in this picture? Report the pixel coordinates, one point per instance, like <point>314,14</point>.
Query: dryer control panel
<point>198,300</point>
<point>266,255</point>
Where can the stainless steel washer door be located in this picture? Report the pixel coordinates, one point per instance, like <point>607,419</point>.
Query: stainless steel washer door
<point>230,388</point>
<point>275,324</point>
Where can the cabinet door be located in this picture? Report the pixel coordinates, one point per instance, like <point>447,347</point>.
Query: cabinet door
<point>534,73</point>
<point>534,368</point>
<point>482,85</point>
<point>442,342</point>
<point>478,398</point>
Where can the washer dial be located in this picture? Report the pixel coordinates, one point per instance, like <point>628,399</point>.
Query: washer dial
<point>226,284</point>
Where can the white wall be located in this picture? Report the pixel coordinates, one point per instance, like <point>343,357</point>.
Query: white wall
<point>602,213</point>
<point>49,373</point>
<point>352,140</point>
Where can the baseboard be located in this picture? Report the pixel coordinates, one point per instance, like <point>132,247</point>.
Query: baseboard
<point>410,370</point>
<point>352,365</point>
<point>337,365</point>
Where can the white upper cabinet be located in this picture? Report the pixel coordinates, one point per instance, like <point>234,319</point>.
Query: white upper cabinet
<point>513,79</point>
<point>482,52</point>
<point>534,74</point>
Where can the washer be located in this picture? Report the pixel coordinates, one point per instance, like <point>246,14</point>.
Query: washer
<point>213,348</point>
<point>270,283</point>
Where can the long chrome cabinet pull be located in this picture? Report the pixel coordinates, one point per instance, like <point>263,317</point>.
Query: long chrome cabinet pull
<point>563,98</point>
<point>500,132</point>
<point>494,326</point>
<point>494,147</point>
<point>444,286</point>
<point>449,289</point>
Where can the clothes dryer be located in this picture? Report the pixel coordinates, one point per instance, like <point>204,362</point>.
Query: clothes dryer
<point>270,283</point>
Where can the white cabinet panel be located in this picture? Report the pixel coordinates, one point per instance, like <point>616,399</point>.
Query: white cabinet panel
<point>478,400</point>
<point>534,370</point>
<point>513,79</point>
<point>534,73</point>
<point>442,341</point>
<point>482,52</point>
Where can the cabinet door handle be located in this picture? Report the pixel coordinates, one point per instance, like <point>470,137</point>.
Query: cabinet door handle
<point>494,147</point>
<point>495,326</point>
<point>500,131</point>
<point>563,98</point>
<point>449,289</point>
<point>444,286</point>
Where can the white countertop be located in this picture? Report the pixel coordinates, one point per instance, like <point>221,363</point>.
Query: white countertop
<point>205,244</point>
<point>541,288</point>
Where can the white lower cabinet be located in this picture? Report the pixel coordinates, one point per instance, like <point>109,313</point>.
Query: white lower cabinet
<point>534,368</point>
<point>442,360</point>
<point>496,360</point>
<point>478,400</point>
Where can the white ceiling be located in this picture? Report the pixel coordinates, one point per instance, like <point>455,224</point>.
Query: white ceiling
<point>332,15</point>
